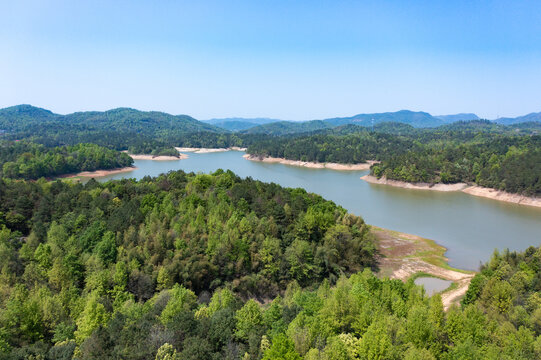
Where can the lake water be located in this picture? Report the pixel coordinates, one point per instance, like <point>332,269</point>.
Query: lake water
<point>433,285</point>
<point>469,227</point>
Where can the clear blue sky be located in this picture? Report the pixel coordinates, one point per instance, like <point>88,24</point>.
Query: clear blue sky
<point>284,59</point>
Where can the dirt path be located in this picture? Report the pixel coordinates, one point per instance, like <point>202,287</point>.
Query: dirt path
<point>403,255</point>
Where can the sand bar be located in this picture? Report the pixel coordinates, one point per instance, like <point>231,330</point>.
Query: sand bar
<point>311,165</point>
<point>100,173</point>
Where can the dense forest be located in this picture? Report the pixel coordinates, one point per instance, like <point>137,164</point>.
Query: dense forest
<point>479,152</point>
<point>511,164</point>
<point>26,160</point>
<point>76,257</point>
<point>197,266</point>
<point>119,129</point>
<point>352,148</point>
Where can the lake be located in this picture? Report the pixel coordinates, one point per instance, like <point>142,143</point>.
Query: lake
<point>469,227</point>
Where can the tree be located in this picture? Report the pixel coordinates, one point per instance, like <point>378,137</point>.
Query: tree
<point>93,316</point>
<point>282,348</point>
<point>249,319</point>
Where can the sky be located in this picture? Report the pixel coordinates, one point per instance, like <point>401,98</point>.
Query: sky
<point>291,60</point>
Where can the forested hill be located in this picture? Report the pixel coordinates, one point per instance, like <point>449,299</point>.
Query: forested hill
<point>418,119</point>
<point>117,128</point>
<point>288,127</point>
<point>24,118</point>
<point>532,117</point>
<point>238,124</point>
<point>26,160</point>
<point>512,164</point>
<point>78,260</point>
<point>352,148</point>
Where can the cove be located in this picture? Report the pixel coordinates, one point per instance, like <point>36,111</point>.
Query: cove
<point>469,227</point>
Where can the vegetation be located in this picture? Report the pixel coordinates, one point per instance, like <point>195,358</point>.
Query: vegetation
<point>511,164</point>
<point>480,152</point>
<point>212,266</point>
<point>25,160</point>
<point>76,257</point>
<point>350,149</point>
<point>88,303</point>
<point>153,149</point>
<point>288,127</point>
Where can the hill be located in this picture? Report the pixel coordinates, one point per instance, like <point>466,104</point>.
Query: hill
<point>122,119</point>
<point>531,117</point>
<point>238,124</point>
<point>395,122</point>
<point>458,117</point>
<point>117,128</point>
<point>414,118</point>
<point>288,127</point>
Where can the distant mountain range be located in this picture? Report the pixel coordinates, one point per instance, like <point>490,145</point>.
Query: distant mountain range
<point>417,119</point>
<point>531,117</point>
<point>26,117</point>
<point>458,117</point>
<point>238,124</point>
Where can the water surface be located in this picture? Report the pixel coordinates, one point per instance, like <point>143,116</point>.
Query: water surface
<point>469,227</point>
<point>433,285</point>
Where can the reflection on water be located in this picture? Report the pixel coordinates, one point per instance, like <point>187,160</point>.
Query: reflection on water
<point>469,227</point>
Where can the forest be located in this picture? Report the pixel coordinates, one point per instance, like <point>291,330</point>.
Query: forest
<point>212,266</point>
<point>75,255</point>
<point>512,164</point>
<point>119,129</point>
<point>27,160</point>
<point>488,155</point>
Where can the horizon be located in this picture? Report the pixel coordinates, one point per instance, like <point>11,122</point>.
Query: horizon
<point>297,62</point>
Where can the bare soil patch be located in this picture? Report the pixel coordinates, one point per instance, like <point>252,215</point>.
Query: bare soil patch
<point>404,255</point>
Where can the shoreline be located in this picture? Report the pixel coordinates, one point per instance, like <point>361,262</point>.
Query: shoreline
<point>208,150</point>
<point>500,195</point>
<point>311,165</point>
<point>404,256</point>
<point>98,173</point>
<point>473,190</point>
<point>416,186</point>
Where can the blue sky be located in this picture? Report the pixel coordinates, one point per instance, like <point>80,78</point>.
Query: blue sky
<point>285,59</point>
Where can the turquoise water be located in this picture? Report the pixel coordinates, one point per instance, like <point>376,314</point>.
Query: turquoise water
<point>433,285</point>
<point>469,227</point>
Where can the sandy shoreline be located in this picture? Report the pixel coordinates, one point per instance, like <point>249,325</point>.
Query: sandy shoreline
<point>474,190</point>
<point>503,196</point>
<point>311,165</point>
<point>417,186</point>
<point>208,150</point>
<point>100,173</point>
